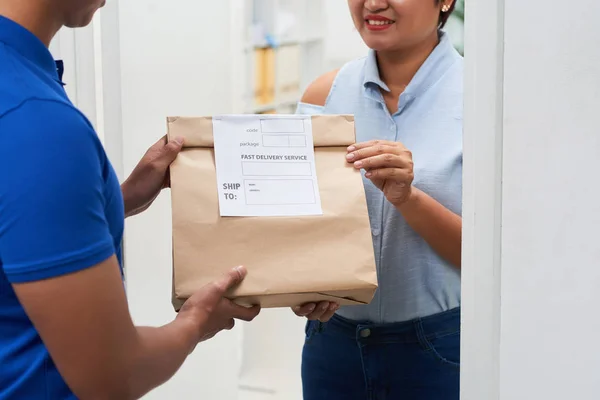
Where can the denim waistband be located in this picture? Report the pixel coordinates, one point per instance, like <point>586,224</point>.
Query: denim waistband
<point>431,327</point>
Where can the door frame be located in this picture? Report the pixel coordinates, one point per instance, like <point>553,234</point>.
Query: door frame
<point>482,199</point>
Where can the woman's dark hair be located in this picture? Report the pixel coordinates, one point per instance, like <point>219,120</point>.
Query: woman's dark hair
<point>445,15</point>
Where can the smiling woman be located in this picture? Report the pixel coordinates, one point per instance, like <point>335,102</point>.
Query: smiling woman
<point>406,95</point>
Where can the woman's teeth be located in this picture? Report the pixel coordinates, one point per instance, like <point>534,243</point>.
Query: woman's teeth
<point>372,22</point>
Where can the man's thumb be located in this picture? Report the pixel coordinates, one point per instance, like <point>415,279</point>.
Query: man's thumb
<point>232,278</point>
<point>170,151</point>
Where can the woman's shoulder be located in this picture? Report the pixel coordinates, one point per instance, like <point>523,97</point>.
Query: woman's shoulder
<point>319,90</point>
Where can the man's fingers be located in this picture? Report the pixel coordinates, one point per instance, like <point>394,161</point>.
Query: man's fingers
<point>160,143</point>
<point>241,312</point>
<point>230,324</point>
<point>169,152</point>
<point>232,278</point>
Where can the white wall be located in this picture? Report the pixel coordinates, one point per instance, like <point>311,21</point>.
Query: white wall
<point>175,60</point>
<point>172,63</point>
<point>550,209</point>
<point>536,91</point>
<point>343,42</point>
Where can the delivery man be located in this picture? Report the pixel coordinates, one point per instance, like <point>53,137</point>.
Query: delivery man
<point>65,329</point>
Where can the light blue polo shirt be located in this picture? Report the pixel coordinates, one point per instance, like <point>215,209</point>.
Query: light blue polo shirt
<point>61,208</point>
<point>413,280</point>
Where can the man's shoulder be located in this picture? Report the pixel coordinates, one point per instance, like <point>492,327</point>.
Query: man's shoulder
<point>46,121</point>
<point>19,84</point>
<point>40,125</point>
<point>35,109</point>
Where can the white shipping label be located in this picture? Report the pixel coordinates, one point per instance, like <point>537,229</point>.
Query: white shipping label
<point>266,166</point>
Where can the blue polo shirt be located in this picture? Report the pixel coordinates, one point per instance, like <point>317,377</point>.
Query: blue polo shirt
<point>61,208</point>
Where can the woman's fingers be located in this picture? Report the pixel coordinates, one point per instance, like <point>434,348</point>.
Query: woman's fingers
<point>372,143</point>
<point>376,154</point>
<point>321,308</point>
<point>322,311</point>
<point>394,174</point>
<point>326,316</point>
<point>304,310</point>
<point>385,161</point>
<point>380,149</point>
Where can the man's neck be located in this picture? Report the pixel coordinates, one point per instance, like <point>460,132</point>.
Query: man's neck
<point>34,15</point>
<point>397,68</point>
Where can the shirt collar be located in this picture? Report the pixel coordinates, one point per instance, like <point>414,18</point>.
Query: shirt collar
<point>28,45</point>
<point>440,59</point>
<point>372,72</point>
<point>60,69</point>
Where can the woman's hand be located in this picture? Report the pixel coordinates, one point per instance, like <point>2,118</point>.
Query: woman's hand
<point>322,311</point>
<point>388,165</point>
<point>150,176</point>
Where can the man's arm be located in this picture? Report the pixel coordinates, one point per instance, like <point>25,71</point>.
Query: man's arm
<point>85,323</point>
<point>58,253</point>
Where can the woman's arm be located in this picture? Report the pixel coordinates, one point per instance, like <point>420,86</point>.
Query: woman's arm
<point>438,226</point>
<point>389,166</point>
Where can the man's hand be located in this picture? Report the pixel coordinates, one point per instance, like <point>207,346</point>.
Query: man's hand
<point>96,347</point>
<point>208,311</point>
<point>150,176</point>
<point>322,311</point>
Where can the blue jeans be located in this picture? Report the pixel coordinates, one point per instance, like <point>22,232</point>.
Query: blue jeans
<point>414,360</point>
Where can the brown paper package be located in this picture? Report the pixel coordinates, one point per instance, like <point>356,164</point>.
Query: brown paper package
<point>290,260</point>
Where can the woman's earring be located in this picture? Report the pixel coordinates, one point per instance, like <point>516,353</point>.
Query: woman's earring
<point>445,8</point>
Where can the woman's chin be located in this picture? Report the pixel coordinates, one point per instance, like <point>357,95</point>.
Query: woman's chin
<point>381,45</point>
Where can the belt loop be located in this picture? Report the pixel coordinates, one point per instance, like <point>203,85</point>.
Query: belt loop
<point>421,337</point>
